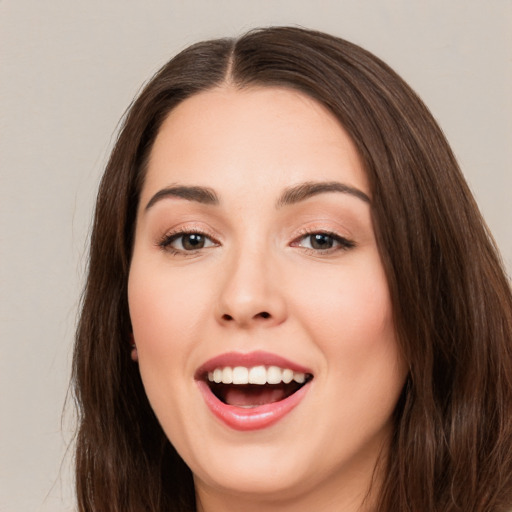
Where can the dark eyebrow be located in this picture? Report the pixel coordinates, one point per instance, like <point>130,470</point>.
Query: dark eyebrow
<point>306,190</point>
<point>200,194</point>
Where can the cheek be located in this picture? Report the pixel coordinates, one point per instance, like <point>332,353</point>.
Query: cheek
<point>163,327</point>
<point>159,321</point>
<point>350,318</point>
<point>350,304</point>
<point>163,308</point>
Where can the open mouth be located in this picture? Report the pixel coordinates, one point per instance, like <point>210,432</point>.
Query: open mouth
<point>252,391</point>
<point>250,387</point>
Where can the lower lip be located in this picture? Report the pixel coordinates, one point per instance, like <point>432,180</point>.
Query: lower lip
<point>255,418</point>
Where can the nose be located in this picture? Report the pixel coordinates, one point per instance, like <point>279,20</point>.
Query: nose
<point>251,293</point>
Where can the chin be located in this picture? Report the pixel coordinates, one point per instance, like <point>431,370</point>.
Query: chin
<point>263,478</point>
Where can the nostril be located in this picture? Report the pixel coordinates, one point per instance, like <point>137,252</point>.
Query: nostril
<point>229,318</point>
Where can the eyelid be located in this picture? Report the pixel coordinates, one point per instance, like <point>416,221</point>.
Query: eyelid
<point>164,241</point>
<point>344,243</point>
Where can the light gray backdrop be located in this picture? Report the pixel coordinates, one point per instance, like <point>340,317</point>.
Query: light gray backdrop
<point>68,70</point>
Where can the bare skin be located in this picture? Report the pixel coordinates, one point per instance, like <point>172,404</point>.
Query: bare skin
<point>235,252</point>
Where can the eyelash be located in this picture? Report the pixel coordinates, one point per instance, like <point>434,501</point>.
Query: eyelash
<point>344,244</point>
<point>166,241</point>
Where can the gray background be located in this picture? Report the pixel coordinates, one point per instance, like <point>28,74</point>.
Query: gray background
<point>68,70</point>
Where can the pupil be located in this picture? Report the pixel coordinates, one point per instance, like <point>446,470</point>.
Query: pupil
<point>321,241</point>
<point>193,241</point>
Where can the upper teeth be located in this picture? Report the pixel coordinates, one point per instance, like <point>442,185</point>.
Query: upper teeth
<point>255,375</point>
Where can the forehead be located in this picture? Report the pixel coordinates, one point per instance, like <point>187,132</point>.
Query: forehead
<point>274,133</point>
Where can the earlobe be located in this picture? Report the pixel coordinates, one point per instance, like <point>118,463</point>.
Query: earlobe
<point>133,347</point>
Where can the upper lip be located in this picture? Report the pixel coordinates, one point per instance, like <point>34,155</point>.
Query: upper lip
<point>248,360</point>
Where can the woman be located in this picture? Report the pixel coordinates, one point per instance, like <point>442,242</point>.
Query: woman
<point>292,300</point>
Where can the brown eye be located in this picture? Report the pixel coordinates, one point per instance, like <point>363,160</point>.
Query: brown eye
<point>324,242</point>
<point>187,242</point>
<point>192,241</point>
<point>321,241</point>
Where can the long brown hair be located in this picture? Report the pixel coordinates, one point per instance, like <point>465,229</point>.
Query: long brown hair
<point>452,443</point>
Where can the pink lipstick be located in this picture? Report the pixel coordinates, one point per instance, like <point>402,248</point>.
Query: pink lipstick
<point>252,391</point>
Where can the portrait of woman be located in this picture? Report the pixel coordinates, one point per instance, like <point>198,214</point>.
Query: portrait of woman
<point>292,300</point>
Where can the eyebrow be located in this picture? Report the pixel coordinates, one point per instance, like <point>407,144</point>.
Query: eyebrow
<point>309,189</point>
<point>202,195</point>
<point>291,195</point>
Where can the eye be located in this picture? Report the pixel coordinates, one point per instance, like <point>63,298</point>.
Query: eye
<point>322,241</point>
<point>187,241</point>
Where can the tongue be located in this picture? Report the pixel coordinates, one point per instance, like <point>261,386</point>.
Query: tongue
<point>251,396</point>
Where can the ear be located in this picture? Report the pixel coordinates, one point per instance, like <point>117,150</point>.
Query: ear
<point>133,347</point>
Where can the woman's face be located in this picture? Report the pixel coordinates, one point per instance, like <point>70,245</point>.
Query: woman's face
<point>255,264</point>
